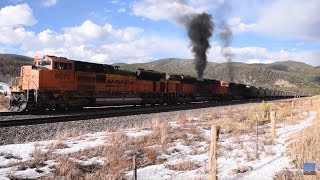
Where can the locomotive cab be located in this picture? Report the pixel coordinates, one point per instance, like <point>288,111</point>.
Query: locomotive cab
<point>47,73</point>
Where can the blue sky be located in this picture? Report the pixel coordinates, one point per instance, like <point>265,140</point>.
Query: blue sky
<point>143,30</point>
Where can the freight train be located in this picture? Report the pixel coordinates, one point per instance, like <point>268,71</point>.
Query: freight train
<point>60,83</point>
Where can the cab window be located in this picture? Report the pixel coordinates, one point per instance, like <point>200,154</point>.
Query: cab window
<point>62,66</point>
<point>44,63</point>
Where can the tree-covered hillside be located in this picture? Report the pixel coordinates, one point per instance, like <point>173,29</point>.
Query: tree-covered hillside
<point>10,66</point>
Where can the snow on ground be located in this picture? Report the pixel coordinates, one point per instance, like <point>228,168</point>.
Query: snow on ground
<point>264,168</point>
<point>4,88</point>
<point>234,151</point>
<point>268,166</point>
<point>137,133</point>
<point>14,153</point>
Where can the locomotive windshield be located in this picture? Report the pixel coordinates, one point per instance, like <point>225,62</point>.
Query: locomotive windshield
<point>44,63</point>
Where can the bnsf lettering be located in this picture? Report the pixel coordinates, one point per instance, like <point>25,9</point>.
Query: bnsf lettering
<point>117,81</point>
<point>62,76</point>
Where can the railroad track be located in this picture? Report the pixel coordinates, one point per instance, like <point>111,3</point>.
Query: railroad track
<point>108,112</point>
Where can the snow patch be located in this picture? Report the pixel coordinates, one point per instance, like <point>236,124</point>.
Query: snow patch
<point>4,88</point>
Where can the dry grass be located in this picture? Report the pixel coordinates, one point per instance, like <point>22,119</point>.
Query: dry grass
<point>57,145</point>
<point>183,166</point>
<point>240,169</point>
<point>38,160</point>
<point>66,133</point>
<point>119,149</point>
<point>305,146</point>
<point>182,119</point>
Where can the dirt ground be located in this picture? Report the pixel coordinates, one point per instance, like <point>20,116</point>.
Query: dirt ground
<point>4,103</point>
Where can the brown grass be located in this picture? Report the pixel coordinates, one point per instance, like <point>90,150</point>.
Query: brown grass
<point>38,160</point>
<point>57,145</point>
<point>183,166</point>
<point>181,119</point>
<point>305,146</point>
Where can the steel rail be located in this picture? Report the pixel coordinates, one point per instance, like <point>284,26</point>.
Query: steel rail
<point>117,112</point>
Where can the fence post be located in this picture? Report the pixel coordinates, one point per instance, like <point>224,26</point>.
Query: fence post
<point>291,115</point>
<point>134,168</point>
<point>273,124</point>
<point>213,152</point>
<point>257,135</point>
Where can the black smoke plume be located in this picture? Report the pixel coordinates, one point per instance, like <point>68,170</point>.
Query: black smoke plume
<point>200,29</point>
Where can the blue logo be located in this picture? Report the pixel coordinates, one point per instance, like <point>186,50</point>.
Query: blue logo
<point>309,168</point>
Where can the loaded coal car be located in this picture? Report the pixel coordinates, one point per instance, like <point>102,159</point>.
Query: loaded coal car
<point>238,91</point>
<point>254,92</point>
<point>249,91</point>
<point>262,92</point>
<point>267,93</point>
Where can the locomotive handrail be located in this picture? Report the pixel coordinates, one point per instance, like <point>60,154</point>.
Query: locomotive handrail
<point>37,88</point>
<point>36,95</point>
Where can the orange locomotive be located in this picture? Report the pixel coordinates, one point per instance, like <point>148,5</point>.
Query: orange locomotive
<point>57,82</point>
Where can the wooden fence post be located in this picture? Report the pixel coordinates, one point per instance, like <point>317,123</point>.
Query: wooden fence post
<point>291,115</point>
<point>273,124</point>
<point>213,152</point>
<point>257,135</point>
<point>134,168</point>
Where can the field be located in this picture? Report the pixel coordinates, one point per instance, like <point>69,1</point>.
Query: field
<point>178,147</point>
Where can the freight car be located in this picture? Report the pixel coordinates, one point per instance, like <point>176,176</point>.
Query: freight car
<point>60,83</point>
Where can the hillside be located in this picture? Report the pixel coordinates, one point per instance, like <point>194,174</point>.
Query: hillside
<point>288,75</point>
<point>10,65</point>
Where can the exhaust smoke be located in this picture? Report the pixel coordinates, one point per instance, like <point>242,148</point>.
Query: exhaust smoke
<point>200,28</point>
<point>225,35</point>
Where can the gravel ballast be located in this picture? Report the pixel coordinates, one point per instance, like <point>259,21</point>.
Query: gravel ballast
<point>30,133</point>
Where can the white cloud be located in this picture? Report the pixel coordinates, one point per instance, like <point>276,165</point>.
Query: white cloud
<point>170,10</point>
<point>237,26</point>
<point>11,36</point>
<point>114,2</point>
<point>2,50</point>
<point>293,18</point>
<point>138,50</point>
<point>89,31</point>
<point>49,3</point>
<point>122,10</point>
<point>255,61</point>
<point>12,16</point>
<point>263,55</point>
